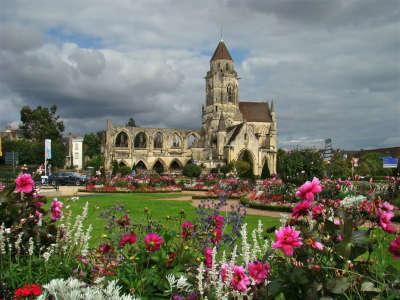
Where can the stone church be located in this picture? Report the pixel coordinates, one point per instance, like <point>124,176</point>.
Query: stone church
<point>231,130</point>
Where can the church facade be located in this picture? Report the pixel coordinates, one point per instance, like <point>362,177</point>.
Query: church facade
<point>231,130</point>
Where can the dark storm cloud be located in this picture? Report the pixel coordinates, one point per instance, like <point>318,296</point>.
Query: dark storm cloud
<point>332,67</point>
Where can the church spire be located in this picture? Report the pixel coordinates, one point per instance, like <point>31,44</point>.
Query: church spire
<point>221,52</point>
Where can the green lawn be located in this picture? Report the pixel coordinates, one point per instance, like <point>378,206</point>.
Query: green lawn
<point>136,203</point>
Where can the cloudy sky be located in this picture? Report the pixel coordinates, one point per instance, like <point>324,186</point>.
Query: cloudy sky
<point>332,67</point>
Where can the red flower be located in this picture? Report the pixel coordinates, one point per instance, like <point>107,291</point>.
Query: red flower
<point>28,290</point>
<point>171,259</point>
<point>301,209</point>
<point>104,248</point>
<point>217,235</point>
<point>187,229</point>
<point>394,247</point>
<point>128,238</point>
<point>218,221</point>
<point>124,221</point>
<point>153,242</point>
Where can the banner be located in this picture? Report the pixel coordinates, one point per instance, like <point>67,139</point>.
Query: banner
<point>390,162</point>
<point>47,149</point>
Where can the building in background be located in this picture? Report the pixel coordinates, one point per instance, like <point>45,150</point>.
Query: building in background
<point>74,158</point>
<point>231,130</point>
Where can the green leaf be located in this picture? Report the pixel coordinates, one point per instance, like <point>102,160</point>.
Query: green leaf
<point>368,286</point>
<point>281,296</point>
<point>338,286</point>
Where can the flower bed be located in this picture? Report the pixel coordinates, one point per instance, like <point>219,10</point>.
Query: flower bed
<point>342,247</point>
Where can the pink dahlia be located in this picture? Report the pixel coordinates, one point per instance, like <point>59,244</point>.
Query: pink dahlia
<point>187,229</point>
<point>387,206</point>
<point>394,247</point>
<point>301,209</point>
<point>315,244</point>
<point>224,272</point>
<point>287,238</point>
<point>385,221</point>
<point>153,242</point>
<point>216,235</point>
<point>127,238</point>
<point>24,183</point>
<point>208,257</point>
<point>308,189</point>
<point>317,210</point>
<point>218,221</point>
<point>259,271</point>
<point>56,210</point>
<point>240,281</point>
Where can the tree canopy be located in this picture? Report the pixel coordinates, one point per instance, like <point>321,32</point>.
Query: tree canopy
<point>92,144</point>
<point>131,122</point>
<point>41,123</point>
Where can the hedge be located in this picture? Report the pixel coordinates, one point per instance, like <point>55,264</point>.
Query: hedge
<point>261,206</point>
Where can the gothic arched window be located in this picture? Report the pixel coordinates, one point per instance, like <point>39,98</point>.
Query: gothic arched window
<point>140,140</point>
<point>230,93</point>
<point>121,140</point>
<point>176,141</point>
<point>158,140</point>
<point>191,140</point>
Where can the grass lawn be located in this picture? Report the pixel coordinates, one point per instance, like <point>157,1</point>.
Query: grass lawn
<point>136,203</point>
<point>161,209</point>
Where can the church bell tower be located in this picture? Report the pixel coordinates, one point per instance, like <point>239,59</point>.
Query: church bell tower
<point>222,93</point>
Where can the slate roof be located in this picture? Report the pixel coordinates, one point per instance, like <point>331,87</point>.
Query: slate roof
<point>236,129</point>
<point>221,52</point>
<point>255,111</point>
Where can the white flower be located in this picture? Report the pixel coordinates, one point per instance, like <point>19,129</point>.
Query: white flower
<point>30,249</point>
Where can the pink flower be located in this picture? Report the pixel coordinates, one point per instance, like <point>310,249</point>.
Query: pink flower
<point>128,238</point>
<point>153,242</point>
<point>24,183</point>
<point>187,229</point>
<point>385,221</point>
<point>336,221</point>
<point>1,187</point>
<point>240,281</point>
<point>216,235</point>
<point>259,271</point>
<point>218,221</point>
<point>55,209</point>
<point>394,247</point>
<point>301,209</point>
<point>308,189</point>
<point>287,238</point>
<point>224,272</point>
<point>317,210</point>
<point>387,206</point>
<point>208,257</point>
<point>315,244</point>
<point>104,248</point>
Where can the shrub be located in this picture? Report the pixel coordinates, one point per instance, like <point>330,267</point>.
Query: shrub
<point>191,170</point>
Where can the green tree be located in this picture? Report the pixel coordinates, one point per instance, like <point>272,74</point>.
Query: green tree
<point>371,165</point>
<point>92,144</point>
<point>191,170</point>
<point>41,123</point>
<point>339,167</point>
<point>298,166</point>
<point>97,162</point>
<point>131,123</point>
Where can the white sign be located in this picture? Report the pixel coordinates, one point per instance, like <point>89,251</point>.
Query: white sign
<point>47,149</point>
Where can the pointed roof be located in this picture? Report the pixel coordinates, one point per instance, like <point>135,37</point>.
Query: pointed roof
<point>221,52</point>
<point>255,111</point>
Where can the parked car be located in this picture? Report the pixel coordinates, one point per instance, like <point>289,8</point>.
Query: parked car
<point>67,178</point>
